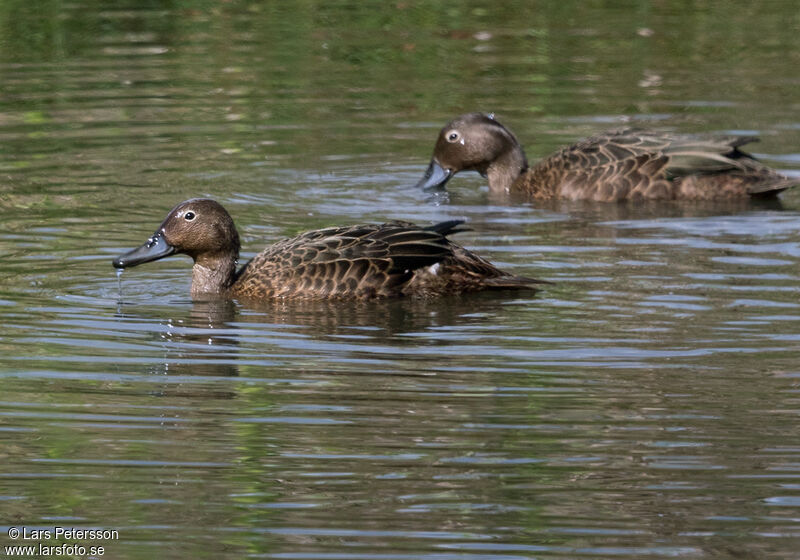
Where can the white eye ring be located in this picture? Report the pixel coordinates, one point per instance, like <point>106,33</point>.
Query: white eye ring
<point>189,216</point>
<point>453,136</point>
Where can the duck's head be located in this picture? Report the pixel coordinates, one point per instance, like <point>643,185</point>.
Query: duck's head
<point>473,142</point>
<point>199,227</point>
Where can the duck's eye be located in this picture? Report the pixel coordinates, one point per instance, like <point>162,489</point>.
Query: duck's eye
<point>189,216</point>
<point>453,136</point>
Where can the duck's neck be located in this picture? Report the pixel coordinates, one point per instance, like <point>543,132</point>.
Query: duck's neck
<point>506,168</point>
<point>213,274</point>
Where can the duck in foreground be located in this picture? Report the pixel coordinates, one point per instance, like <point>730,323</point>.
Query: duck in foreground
<point>611,166</point>
<point>351,262</point>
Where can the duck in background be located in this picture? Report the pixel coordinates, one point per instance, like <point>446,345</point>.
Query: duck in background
<point>625,164</point>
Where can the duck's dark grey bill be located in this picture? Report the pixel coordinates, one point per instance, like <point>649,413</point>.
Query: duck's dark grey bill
<point>154,248</point>
<point>435,177</point>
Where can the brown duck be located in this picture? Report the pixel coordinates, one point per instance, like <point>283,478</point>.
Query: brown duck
<point>350,262</point>
<point>611,166</point>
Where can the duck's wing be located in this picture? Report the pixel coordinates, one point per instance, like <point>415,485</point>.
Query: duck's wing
<point>361,261</point>
<point>631,163</point>
<point>687,153</point>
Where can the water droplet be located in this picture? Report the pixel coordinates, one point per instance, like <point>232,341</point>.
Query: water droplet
<point>119,284</point>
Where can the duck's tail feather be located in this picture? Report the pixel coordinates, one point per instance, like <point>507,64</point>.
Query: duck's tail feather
<point>449,227</point>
